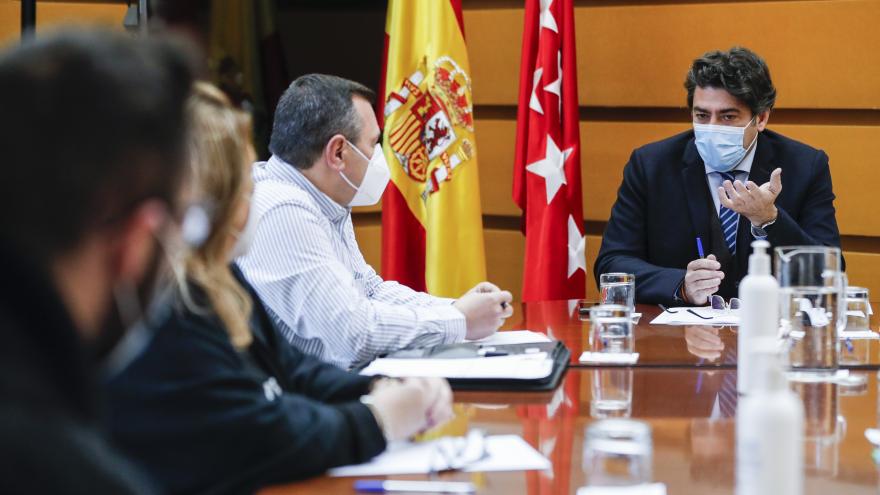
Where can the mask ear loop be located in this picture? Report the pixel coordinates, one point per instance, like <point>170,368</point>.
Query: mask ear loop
<point>362,156</point>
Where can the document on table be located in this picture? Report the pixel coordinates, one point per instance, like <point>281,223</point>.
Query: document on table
<point>508,337</point>
<point>504,453</point>
<point>697,316</point>
<point>516,367</point>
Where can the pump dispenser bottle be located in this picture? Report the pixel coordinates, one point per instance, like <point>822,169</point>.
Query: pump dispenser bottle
<point>769,430</point>
<point>759,315</point>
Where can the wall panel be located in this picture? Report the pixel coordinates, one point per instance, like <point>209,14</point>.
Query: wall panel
<point>52,14</point>
<point>823,53</point>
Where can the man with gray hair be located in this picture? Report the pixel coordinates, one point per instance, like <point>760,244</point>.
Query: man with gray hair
<point>305,262</point>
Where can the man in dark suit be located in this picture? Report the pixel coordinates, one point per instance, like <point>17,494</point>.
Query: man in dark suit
<point>727,182</point>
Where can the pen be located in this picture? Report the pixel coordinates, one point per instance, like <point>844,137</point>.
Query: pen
<point>380,486</point>
<point>700,248</point>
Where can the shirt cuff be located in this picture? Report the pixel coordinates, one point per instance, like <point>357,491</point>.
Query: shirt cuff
<point>454,321</point>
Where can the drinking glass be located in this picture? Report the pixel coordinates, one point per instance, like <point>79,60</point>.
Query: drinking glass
<point>617,452</point>
<point>858,308</point>
<point>611,329</point>
<point>618,288</point>
<point>612,389</point>
<point>811,307</point>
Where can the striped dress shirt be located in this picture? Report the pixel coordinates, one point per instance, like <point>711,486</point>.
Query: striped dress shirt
<point>312,278</point>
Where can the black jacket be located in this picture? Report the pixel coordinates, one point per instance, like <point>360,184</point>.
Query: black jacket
<point>663,205</point>
<point>202,417</point>
<point>50,439</point>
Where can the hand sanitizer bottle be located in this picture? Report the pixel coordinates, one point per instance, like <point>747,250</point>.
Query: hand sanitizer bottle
<point>769,430</point>
<point>759,315</point>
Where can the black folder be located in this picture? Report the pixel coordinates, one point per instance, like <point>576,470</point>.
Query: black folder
<point>554,349</point>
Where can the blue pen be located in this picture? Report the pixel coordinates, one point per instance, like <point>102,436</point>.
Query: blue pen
<point>380,486</point>
<point>700,248</point>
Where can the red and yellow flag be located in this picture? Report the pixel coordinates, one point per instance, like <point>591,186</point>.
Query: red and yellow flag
<point>432,231</point>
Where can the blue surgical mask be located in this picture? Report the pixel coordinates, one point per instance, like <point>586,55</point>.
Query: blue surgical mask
<point>721,146</point>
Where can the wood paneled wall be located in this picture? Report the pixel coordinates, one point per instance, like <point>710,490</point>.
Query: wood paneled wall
<point>55,13</point>
<point>824,57</point>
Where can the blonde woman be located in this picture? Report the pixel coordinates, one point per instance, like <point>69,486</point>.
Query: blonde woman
<point>219,401</point>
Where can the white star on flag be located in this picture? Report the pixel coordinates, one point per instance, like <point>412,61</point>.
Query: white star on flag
<point>547,19</point>
<point>535,103</point>
<point>577,245</point>
<point>556,86</point>
<point>551,168</point>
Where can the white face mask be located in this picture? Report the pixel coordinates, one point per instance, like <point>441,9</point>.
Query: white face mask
<point>375,178</point>
<point>721,146</point>
<point>245,238</point>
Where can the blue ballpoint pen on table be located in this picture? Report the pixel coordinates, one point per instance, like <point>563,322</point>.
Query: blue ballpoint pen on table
<point>382,486</point>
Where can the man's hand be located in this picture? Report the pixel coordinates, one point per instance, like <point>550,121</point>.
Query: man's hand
<point>702,279</point>
<point>757,203</point>
<point>484,311</point>
<point>406,407</point>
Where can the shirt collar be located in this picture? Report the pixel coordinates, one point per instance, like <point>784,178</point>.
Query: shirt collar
<point>279,169</point>
<point>744,166</point>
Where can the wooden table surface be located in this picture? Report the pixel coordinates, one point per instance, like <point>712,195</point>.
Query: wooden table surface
<point>693,451</point>
<point>674,389</point>
<point>665,345</point>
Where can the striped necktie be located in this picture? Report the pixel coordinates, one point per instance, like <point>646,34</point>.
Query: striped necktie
<point>729,218</point>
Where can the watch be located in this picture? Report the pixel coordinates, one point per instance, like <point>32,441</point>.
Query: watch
<point>761,231</point>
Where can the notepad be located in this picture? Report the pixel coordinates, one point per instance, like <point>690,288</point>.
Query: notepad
<point>514,367</point>
<point>505,453</point>
<point>697,316</point>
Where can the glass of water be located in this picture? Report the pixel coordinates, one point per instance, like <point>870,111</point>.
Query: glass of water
<point>612,390</point>
<point>611,329</point>
<point>812,307</point>
<point>858,308</point>
<point>617,452</point>
<point>618,288</point>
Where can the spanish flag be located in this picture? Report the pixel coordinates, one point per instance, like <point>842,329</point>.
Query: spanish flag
<point>432,231</point>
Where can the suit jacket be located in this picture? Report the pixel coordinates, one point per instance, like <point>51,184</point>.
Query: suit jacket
<point>664,204</point>
<point>203,417</point>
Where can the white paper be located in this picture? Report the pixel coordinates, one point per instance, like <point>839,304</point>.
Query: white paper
<point>508,337</point>
<point>858,334</point>
<point>517,367</point>
<point>505,453</point>
<point>609,357</point>
<point>856,313</point>
<point>682,316</point>
<point>645,489</point>
<point>635,318</point>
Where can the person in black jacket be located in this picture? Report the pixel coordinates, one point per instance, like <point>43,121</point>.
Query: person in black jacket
<point>219,402</point>
<point>726,182</point>
<point>91,134</point>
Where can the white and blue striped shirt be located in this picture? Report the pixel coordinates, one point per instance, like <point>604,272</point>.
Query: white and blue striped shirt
<point>323,296</point>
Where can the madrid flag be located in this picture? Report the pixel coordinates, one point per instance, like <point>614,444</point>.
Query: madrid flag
<point>432,231</point>
<point>547,174</point>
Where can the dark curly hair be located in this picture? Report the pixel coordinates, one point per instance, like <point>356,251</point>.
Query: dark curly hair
<point>739,71</point>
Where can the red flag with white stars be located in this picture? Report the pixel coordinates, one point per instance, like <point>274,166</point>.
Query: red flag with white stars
<point>547,173</point>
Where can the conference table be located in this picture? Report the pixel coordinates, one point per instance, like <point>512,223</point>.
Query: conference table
<point>675,391</point>
<point>666,345</point>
